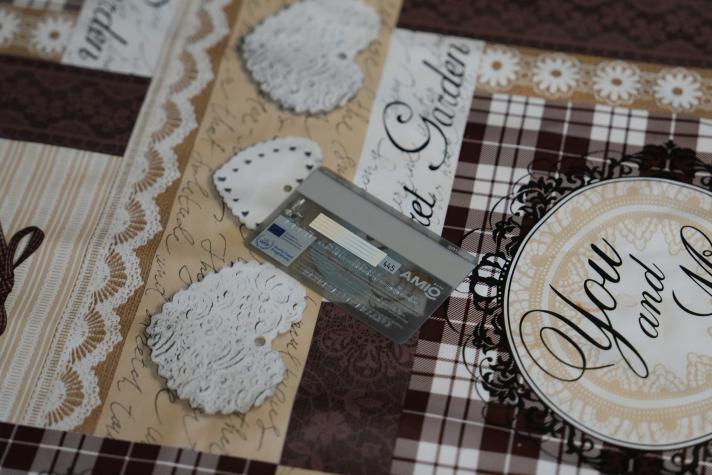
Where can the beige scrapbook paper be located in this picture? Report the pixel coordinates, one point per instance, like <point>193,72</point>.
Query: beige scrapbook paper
<point>201,237</point>
<point>64,192</point>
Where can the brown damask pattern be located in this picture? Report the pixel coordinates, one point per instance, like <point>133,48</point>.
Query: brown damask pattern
<point>68,106</point>
<point>676,32</point>
<point>346,413</point>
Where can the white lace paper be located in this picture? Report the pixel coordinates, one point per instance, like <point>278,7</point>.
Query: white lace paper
<point>68,392</point>
<point>212,341</point>
<point>255,181</point>
<point>304,55</point>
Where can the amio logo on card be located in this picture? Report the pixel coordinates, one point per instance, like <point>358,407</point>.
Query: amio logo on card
<point>430,290</point>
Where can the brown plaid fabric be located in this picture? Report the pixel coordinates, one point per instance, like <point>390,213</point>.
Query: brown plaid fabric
<point>449,424</point>
<point>31,450</point>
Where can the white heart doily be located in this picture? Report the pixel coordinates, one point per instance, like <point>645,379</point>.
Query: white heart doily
<point>304,55</point>
<point>212,341</point>
<point>254,182</point>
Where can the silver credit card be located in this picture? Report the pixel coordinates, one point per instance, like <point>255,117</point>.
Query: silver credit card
<point>355,251</point>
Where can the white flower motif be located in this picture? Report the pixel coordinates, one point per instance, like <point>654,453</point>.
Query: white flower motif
<point>499,66</point>
<point>678,88</point>
<point>51,35</point>
<point>9,25</point>
<point>556,74</point>
<point>616,81</point>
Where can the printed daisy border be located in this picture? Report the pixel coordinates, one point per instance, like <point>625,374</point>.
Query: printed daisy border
<point>24,32</point>
<point>604,80</point>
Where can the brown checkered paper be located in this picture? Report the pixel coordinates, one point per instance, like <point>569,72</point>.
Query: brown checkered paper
<point>449,424</point>
<point>26,449</point>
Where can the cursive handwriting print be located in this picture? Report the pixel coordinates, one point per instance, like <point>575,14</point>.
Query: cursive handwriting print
<point>418,122</point>
<point>201,237</point>
<point>123,36</point>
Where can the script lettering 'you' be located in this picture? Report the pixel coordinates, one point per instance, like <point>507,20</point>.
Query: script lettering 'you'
<point>593,318</point>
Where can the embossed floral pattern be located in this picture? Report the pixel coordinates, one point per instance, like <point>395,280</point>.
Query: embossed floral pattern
<point>556,74</point>
<point>328,426</point>
<point>678,88</point>
<point>365,355</point>
<point>239,309</point>
<point>314,43</point>
<point>616,82</point>
<point>499,66</point>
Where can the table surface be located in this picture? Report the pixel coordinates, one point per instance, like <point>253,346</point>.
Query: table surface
<point>113,118</point>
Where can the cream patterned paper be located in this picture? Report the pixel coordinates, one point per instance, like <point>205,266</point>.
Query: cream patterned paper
<point>609,308</point>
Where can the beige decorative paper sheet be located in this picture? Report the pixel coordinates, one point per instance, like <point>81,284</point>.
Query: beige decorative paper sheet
<point>95,320</point>
<point>64,192</point>
<point>599,300</point>
<point>201,236</point>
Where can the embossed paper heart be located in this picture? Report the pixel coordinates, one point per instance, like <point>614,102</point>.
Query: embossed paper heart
<point>256,180</point>
<point>304,55</point>
<point>213,341</point>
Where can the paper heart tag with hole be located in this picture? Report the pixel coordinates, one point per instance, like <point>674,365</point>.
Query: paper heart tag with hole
<point>304,55</point>
<point>254,182</point>
<point>213,341</point>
